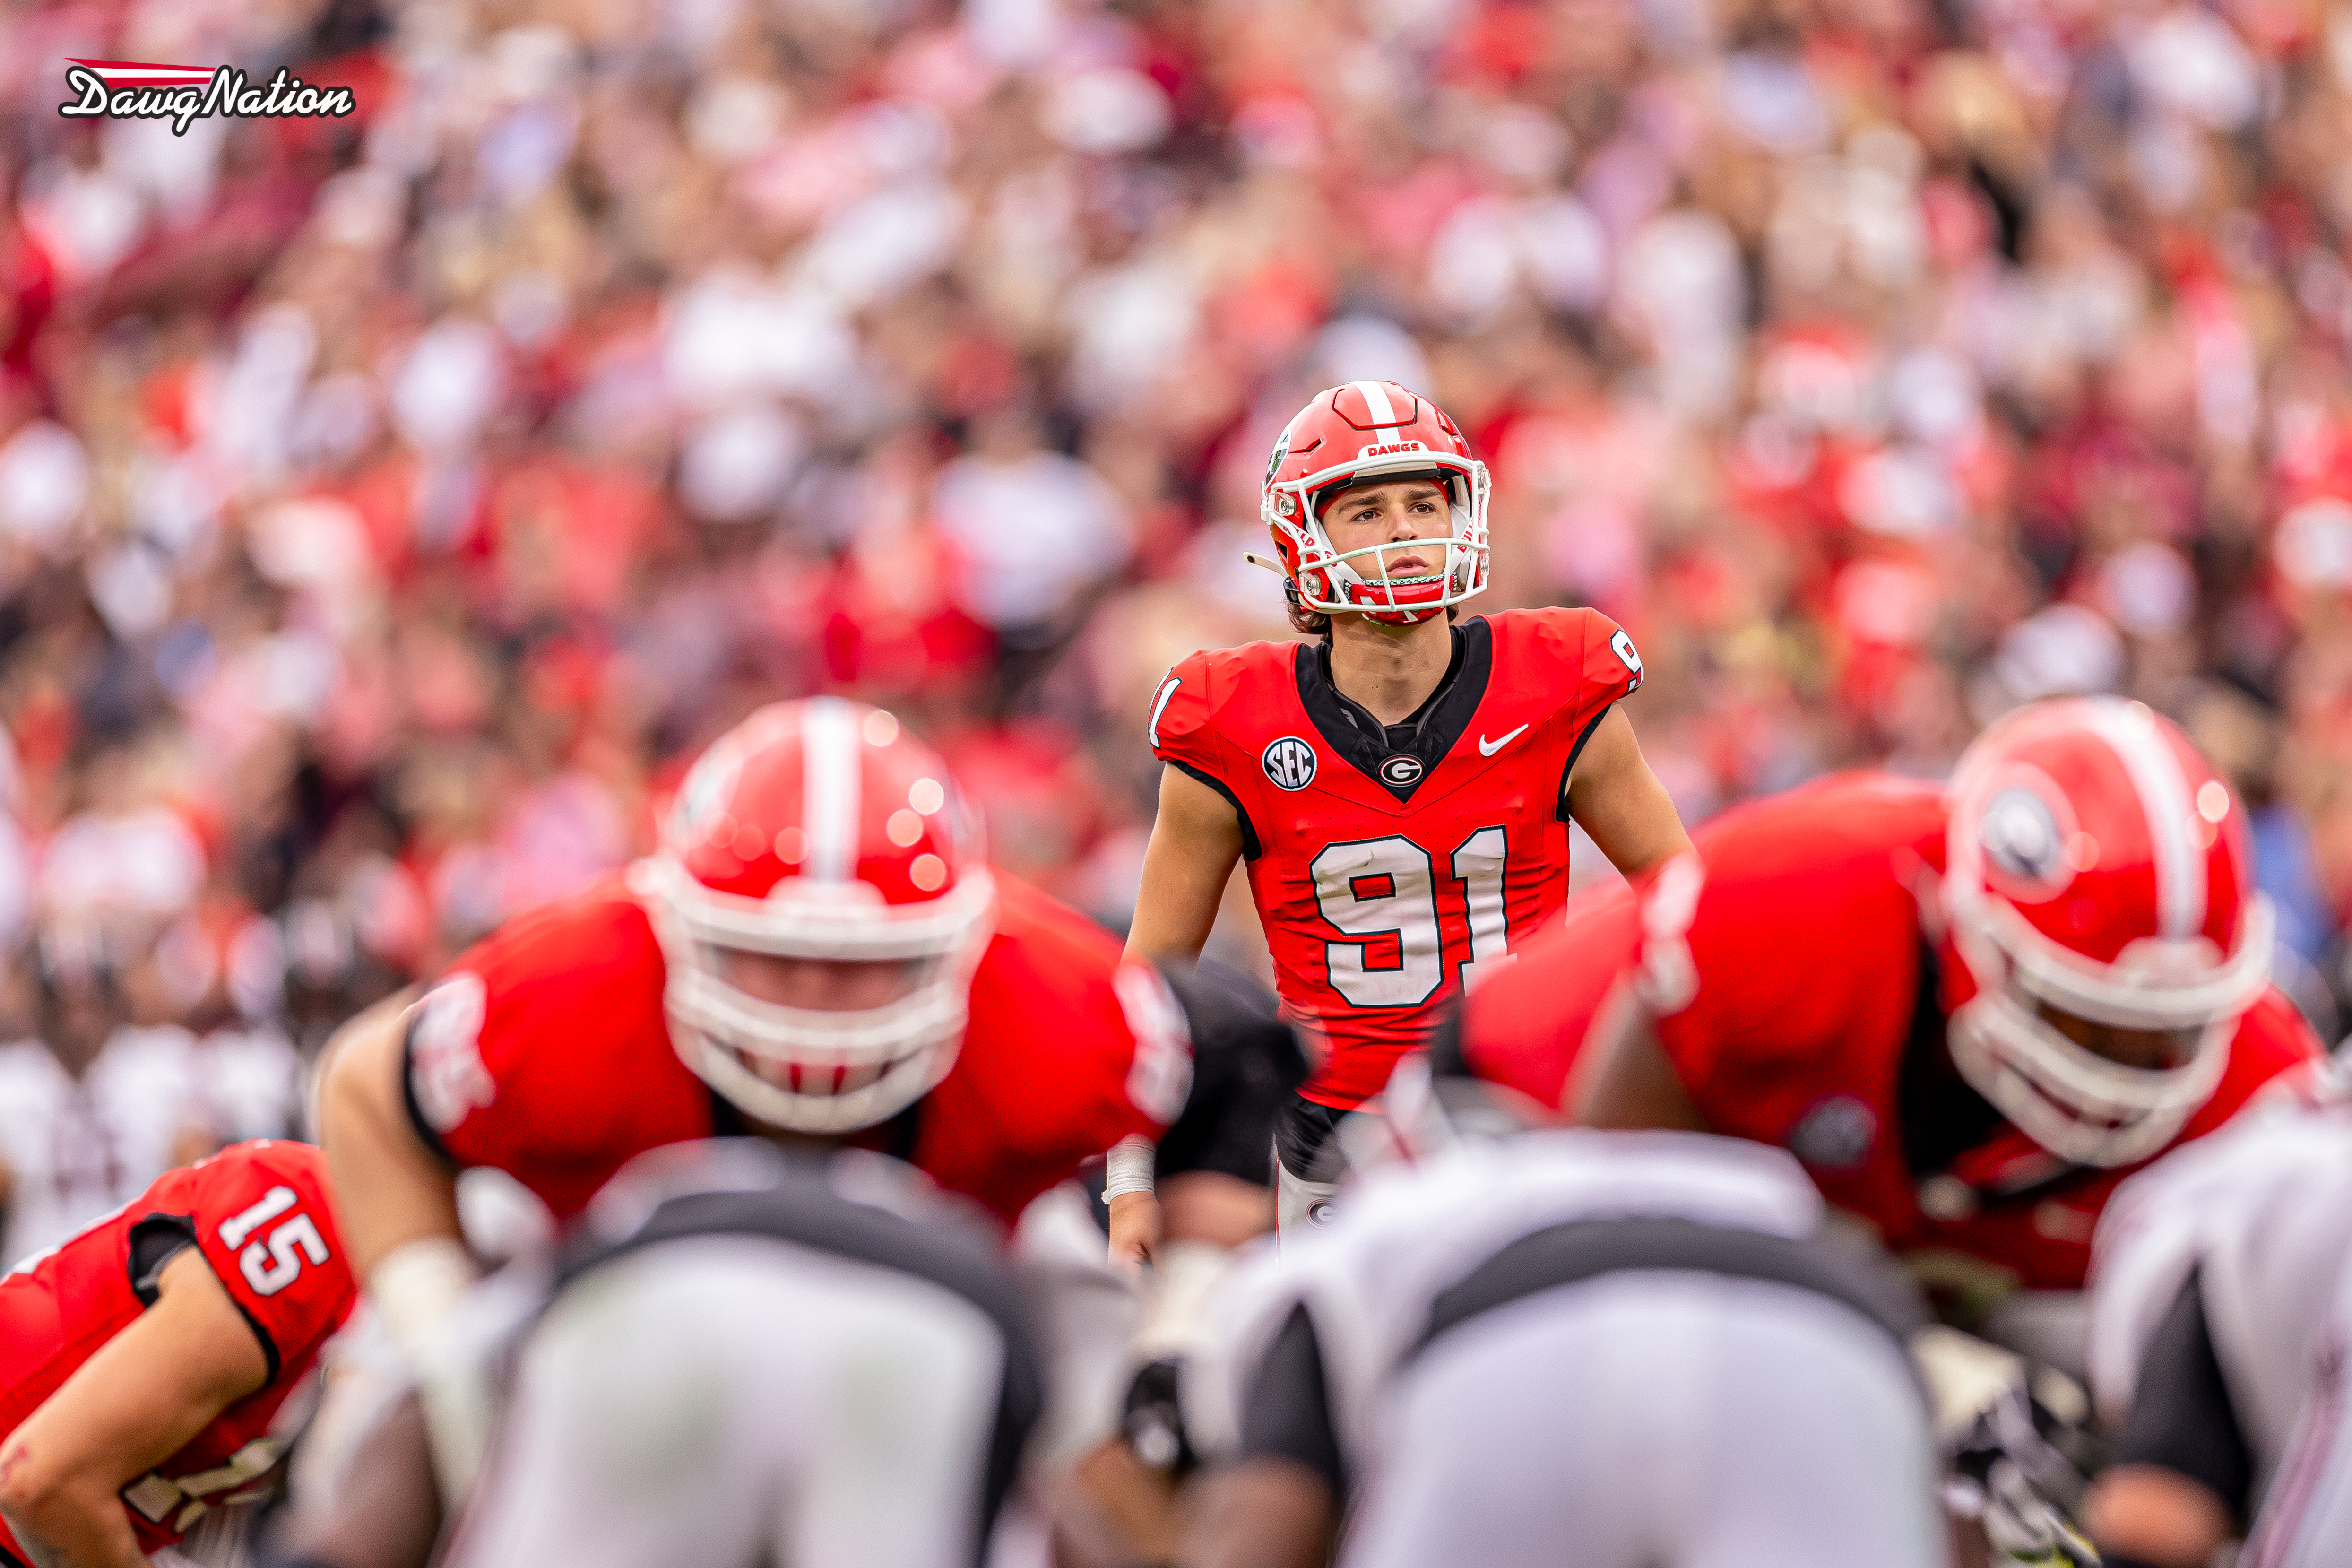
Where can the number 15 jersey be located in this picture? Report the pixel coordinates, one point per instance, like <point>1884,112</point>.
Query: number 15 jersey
<point>1392,866</point>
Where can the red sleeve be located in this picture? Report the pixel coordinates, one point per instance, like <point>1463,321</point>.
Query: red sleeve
<point>545,1052</point>
<point>1184,734</point>
<point>263,1222</point>
<point>1525,1027</point>
<point>1068,1050</point>
<point>1584,660</point>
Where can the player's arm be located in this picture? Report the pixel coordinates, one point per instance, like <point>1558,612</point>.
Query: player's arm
<point>391,1191</point>
<point>1625,1079</point>
<point>139,1400</point>
<point>1616,799</point>
<point>1196,841</point>
<point>2183,1471</point>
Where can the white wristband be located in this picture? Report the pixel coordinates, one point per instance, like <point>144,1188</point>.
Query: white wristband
<point>418,1286</point>
<point>1127,1167</point>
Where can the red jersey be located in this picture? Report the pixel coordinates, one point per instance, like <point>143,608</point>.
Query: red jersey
<point>1392,867</point>
<point>258,1215</point>
<point>546,1053</point>
<point>1803,1005</point>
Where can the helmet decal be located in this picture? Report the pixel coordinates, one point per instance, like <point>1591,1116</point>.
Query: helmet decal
<point>2022,841</point>
<point>1281,451</point>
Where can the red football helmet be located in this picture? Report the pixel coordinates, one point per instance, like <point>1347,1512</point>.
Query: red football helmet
<point>2098,867</point>
<point>819,829</point>
<point>1367,432</point>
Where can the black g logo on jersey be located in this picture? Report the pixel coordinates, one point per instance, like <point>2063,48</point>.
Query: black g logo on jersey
<point>1290,763</point>
<point>1400,771</point>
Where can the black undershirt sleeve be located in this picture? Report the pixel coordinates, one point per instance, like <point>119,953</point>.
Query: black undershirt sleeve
<point>1286,1414</point>
<point>2181,1419</point>
<point>1246,1062</point>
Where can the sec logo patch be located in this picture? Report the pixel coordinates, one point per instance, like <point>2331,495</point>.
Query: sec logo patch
<point>1290,763</point>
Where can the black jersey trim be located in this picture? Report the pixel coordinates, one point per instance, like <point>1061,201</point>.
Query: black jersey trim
<point>1364,743</point>
<point>1560,795</point>
<point>425,1132</point>
<point>1251,847</point>
<point>802,1209</point>
<point>155,1240</point>
<point>1586,1250</point>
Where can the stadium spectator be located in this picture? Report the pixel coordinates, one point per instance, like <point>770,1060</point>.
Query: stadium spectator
<point>387,504</point>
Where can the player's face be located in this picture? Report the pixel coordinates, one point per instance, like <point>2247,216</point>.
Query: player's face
<point>819,984</point>
<point>2149,1050</point>
<point>1410,511</point>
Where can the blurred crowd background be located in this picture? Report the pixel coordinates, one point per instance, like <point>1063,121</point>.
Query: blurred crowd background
<point>389,506</point>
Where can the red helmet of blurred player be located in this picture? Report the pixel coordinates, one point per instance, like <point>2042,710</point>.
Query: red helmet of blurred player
<point>1364,433</point>
<point>819,831</point>
<point>2096,886</point>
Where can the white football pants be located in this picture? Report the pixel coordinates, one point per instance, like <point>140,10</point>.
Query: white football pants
<point>728,1400</point>
<point>1653,1420</point>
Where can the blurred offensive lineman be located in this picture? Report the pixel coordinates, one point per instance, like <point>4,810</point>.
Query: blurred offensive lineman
<point>1570,1349</point>
<point>144,1362</point>
<point>2306,1515</point>
<point>1969,1014</point>
<point>745,1355</point>
<point>2213,1281</point>
<point>815,952</point>
<point>1402,790</point>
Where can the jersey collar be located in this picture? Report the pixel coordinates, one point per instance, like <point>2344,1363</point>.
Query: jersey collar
<point>1362,742</point>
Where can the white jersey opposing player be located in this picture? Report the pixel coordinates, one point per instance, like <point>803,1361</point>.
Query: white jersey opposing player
<point>2221,1304</point>
<point>1577,1350</point>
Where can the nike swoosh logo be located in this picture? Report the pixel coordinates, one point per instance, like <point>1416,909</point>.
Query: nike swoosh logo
<point>1487,748</point>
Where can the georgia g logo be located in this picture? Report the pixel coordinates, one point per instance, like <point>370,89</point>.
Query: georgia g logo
<point>1290,763</point>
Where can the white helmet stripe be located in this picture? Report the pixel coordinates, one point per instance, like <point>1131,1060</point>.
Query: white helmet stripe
<point>829,793</point>
<point>2163,790</point>
<point>1376,398</point>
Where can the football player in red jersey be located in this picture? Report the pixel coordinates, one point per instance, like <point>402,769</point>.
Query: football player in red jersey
<point>1402,791</point>
<point>1970,1013</point>
<point>816,951</point>
<point>143,1363</point>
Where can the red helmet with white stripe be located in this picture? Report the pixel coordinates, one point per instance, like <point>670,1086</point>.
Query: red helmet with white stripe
<point>1364,432</point>
<point>2097,875</point>
<point>819,830</point>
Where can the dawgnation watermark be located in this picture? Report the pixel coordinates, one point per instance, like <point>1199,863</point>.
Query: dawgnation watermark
<point>130,90</point>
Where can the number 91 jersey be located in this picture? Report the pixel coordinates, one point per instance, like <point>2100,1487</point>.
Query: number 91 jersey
<point>1393,867</point>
